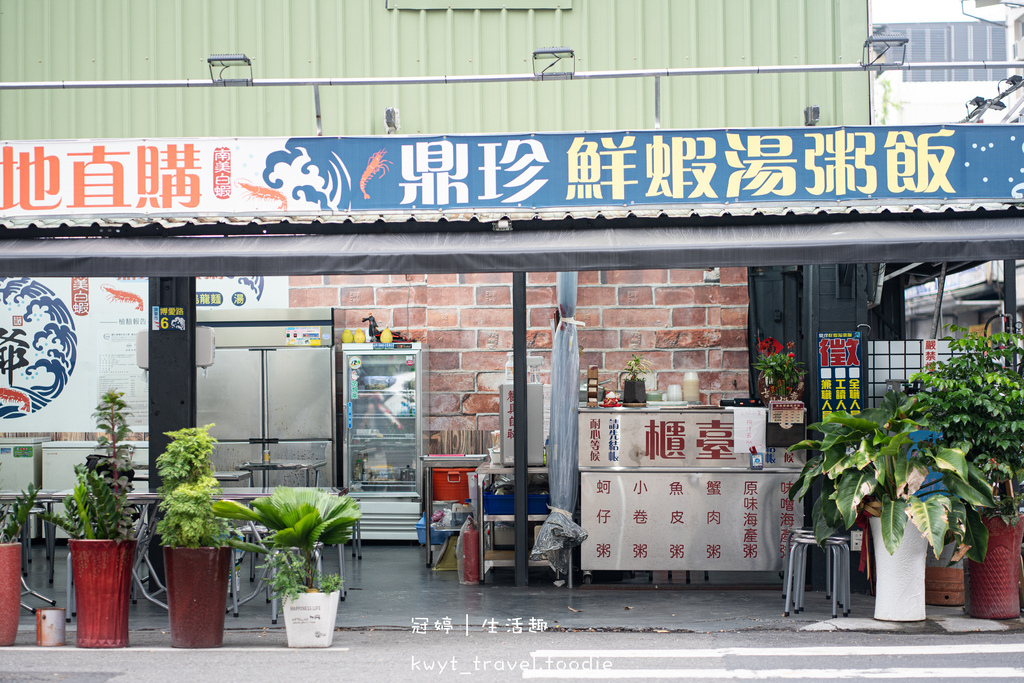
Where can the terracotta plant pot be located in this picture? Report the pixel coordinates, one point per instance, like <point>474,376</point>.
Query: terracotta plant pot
<point>10,591</point>
<point>994,582</point>
<point>197,591</point>
<point>102,573</point>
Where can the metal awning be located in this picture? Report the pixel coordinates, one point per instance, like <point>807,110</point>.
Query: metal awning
<point>969,238</point>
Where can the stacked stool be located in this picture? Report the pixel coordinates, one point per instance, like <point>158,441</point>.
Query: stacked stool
<point>837,571</point>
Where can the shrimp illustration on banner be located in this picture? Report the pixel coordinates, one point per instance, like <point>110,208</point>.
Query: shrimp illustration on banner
<point>120,296</point>
<point>259,193</point>
<point>376,164</point>
<point>15,397</point>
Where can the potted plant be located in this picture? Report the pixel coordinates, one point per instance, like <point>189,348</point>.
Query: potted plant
<point>98,520</point>
<point>634,390</point>
<point>870,467</point>
<point>300,521</point>
<point>12,518</point>
<point>781,375</point>
<point>197,560</point>
<point>976,402</point>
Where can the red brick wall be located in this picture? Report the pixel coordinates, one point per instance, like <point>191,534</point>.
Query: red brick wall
<point>679,319</point>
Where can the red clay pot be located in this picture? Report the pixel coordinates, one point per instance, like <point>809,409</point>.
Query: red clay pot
<point>10,591</point>
<point>994,582</point>
<point>102,573</point>
<point>197,592</point>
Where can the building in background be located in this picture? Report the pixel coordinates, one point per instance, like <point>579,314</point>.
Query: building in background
<point>945,96</point>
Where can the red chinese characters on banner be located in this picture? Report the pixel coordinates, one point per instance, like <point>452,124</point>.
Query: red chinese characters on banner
<point>787,519</point>
<point>665,439</point>
<point>222,173</point>
<point>750,520</point>
<point>841,352</point>
<point>97,179</point>
<point>714,440</point>
<point>510,419</point>
<point>167,176</point>
<point>32,181</point>
<point>931,353</point>
<point>164,176</point>
<point>80,296</point>
<point>595,440</point>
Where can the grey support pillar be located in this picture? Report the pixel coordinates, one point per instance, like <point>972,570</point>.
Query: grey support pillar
<point>522,552</point>
<point>172,362</point>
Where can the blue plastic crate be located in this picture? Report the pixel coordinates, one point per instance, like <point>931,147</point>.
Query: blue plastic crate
<point>436,537</point>
<point>536,504</point>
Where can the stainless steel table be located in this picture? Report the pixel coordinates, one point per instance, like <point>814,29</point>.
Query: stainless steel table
<point>143,475</point>
<point>279,466</point>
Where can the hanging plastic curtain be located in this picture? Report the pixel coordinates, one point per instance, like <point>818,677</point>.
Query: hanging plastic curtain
<point>559,534</point>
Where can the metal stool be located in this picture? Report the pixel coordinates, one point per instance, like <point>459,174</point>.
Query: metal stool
<point>799,539</point>
<point>357,540</point>
<point>837,571</point>
<point>26,540</point>
<point>838,549</point>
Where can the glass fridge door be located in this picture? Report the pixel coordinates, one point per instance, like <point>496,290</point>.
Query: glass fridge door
<point>381,421</point>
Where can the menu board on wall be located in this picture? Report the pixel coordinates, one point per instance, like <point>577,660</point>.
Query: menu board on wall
<point>687,520</point>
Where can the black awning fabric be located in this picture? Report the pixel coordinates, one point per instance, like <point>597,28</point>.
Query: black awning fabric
<point>606,248</point>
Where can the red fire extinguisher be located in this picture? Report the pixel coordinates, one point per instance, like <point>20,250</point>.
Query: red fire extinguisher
<point>471,554</point>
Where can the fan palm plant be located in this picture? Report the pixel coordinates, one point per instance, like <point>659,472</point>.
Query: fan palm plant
<point>298,520</point>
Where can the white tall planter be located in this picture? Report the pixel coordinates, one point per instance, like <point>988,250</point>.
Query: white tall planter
<point>309,619</point>
<point>899,584</point>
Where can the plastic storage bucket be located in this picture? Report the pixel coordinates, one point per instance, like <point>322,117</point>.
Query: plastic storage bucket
<point>451,483</point>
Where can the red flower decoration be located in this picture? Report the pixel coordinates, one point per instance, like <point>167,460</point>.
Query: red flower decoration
<point>768,347</point>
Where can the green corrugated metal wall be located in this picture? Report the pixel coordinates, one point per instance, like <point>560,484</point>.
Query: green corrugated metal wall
<point>46,40</point>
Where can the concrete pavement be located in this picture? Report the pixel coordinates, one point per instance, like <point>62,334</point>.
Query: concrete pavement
<point>391,590</point>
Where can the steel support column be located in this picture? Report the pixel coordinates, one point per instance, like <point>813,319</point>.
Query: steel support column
<point>521,425</point>
<point>172,369</point>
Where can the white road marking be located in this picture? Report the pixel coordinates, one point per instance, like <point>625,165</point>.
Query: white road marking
<point>832,651</point>
<point>750,674</point>
<point>190,651</point>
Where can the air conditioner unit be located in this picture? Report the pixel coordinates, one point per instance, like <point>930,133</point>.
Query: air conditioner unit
<point>206,345</point>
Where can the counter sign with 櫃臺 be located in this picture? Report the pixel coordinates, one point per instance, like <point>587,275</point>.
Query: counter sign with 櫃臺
<point>666,489</point>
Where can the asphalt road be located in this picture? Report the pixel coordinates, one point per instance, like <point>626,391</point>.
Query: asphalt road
<point>397,655</point>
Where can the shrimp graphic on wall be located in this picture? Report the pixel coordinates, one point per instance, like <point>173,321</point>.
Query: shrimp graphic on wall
<point>254,192</point>
<point>121,296</point>
<point>376,164</point>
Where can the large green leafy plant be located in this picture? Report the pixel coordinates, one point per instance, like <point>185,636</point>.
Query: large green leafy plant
<point>97,507</point>
<point>298,520</point>
<point>869,463</point>
<point>976,404</point>
<point>187,491</point>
